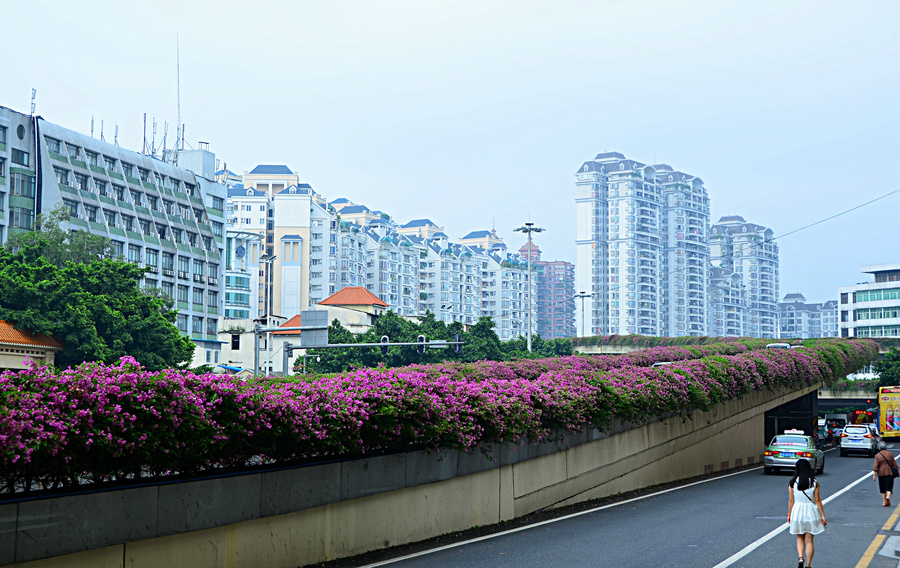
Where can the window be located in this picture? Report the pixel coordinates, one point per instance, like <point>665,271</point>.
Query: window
<point>2,135</point>
<point>110,217</point>
<point>182,322</point>
<point>110,163</point>
<point>235,341</point>
<point>62,175</point>
<point>101,187</point>
<point>119,192</point>
<point>212,298</point>
<point>91,213</point>
<point>168,261</point>
<point>92,158</point>
<point>176,233</point>
<point>127,169</point>
<point>183,264</point>
<point>145,226</point>
<point>213,270</point>
<point>218,203</point>
<point>74,151</point>
<point>262,207</point>
<point>21,218</point>
<point>197,325</point>
<point>182,293</point>
<point>168,289</point>
<point>152,257</point>
<point>73,207</point>
<point>198,296</point>
<point>19,157</point>
<point>128,221</point>
<point>207,243</point>
<point>53,145</point>
<point>118,248</point>
<point>3,174</point>
<point>144,174</point>
<point>212,326</point>
<point>134,253</point>
<point>198,267</point>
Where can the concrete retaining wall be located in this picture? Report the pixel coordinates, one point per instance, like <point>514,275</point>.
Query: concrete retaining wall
<point>304,515</point>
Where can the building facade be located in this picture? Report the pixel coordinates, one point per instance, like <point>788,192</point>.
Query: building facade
<point>642,248</point>
<point>555,296</point>
<point>801,320</point>
<point>872,309</point>
<point>749,250</point>
<point>157,214</point>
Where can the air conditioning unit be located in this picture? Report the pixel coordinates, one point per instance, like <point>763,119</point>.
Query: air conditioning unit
<point>213,281</point>
<point>182,274</point>
<point>168,272</point>
<point>152,269</point>
<point>198,278</point>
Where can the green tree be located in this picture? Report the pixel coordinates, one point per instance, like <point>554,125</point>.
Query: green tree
<point>482,342</point>
<point>59,245</point>
<point>888,368</point>
<point>96,309</point>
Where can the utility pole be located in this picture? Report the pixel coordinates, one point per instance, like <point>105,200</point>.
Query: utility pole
<point>529,228</point>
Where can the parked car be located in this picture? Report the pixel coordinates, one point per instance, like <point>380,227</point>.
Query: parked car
<point>859,438</point>
<point>785,449</point>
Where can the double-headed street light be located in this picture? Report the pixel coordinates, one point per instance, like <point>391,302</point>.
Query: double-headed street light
<point>267,259</point>
<point>583,295</point>
<point>529,228</point>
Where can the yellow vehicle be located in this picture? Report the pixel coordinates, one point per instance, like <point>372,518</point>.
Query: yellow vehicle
<point>889,411</point>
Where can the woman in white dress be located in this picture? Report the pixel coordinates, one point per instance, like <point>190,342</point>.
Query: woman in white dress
<point>806,515</point>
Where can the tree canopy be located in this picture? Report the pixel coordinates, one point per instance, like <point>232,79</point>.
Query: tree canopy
<point>59,245</point>
<point>480,342</point>
<point>95,308</point>
<point>888,368</point>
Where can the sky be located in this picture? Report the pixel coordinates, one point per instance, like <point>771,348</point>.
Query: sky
<point>477,114</point>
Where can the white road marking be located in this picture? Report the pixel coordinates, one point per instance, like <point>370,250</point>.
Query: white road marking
<point>549,521</point>
<point>756,544</point>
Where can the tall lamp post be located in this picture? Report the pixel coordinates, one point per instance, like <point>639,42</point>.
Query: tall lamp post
<point>583,295</point>
<point>529,228</point>
<point>267,260</point>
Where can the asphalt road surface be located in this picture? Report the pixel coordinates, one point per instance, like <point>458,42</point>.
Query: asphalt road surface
<point>733,520</point>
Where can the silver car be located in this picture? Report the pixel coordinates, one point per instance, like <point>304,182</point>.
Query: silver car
<point>858,438</point>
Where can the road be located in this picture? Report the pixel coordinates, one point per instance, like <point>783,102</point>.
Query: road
<point>736,520</point>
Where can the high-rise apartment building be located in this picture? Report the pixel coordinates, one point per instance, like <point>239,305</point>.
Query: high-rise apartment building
<point>800,320</point>
<point>642,248</point>
<point>157,214</point>
<point>555,297</point>
<point>749,250</point>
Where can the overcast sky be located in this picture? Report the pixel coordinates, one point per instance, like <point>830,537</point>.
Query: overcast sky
<point>476,114</point>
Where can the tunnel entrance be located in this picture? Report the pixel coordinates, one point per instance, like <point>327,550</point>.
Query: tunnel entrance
<point>799,413</point>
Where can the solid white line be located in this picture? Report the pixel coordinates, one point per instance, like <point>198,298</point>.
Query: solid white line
<point>754,545</point>
<point>547,522</point>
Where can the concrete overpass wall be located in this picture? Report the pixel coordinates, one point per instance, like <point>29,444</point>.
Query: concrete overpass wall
<point>298,516</point>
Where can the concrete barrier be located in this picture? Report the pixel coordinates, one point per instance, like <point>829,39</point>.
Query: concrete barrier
<point>298,516</point>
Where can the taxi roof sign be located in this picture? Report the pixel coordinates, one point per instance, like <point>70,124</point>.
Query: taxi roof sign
<point>794,431</point>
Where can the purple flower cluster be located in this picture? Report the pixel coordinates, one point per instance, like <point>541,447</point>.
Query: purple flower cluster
<point>111,422</point>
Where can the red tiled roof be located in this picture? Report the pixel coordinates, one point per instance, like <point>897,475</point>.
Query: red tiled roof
<point>353,296</point>
<point>11,335</point>
<point>293,322</point>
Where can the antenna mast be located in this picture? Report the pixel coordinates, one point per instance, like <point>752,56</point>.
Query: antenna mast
<point>178,131</point>
<point>33,97</point>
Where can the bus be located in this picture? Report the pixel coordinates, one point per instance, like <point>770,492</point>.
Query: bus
<point>889,411</point>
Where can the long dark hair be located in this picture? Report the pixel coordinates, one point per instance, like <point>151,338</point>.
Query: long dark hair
<point>803,475</point>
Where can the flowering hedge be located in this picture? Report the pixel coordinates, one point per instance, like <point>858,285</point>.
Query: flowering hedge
<point>98,423</point>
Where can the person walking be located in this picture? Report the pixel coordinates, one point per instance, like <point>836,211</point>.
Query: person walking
<point>882,472</point>
<point>806,516</point>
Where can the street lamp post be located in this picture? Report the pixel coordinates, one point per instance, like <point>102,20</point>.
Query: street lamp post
<point>583,295</point>
<point>267,260</point>
<point>529,228</point>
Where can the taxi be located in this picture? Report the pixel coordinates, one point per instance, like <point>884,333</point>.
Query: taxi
<point>785,449</point>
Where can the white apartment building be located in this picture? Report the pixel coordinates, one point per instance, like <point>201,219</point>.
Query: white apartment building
<point>727,304</point>
<point>641,248</point>
<point>800,320</point>
<point>748,249</point>
<point>872,309</point>
<point>157,214</point>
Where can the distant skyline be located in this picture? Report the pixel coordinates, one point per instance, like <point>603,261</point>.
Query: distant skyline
<point>477,114</point>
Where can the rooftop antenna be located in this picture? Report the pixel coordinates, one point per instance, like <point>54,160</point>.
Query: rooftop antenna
<point>144,147</point>
<point>102,139</point>
<point>116,136</point>
<point>33,99</point>
<point>153,139</point>
<point>179,133</point>
<point>92,127</point>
